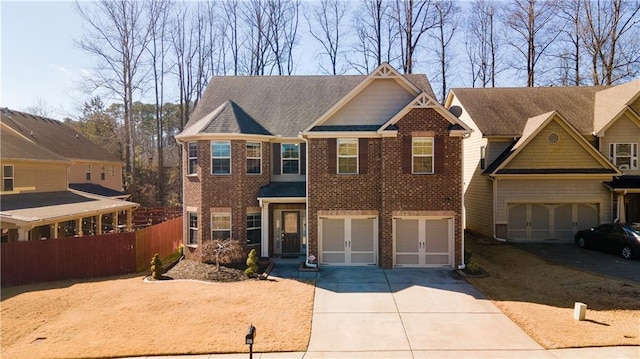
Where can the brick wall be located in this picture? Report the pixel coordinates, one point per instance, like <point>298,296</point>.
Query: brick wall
<point>234,192</point>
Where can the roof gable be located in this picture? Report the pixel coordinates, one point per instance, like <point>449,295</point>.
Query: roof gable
<point>612,102</point>
<point>551,145</point>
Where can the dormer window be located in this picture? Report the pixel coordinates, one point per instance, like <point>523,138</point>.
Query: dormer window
<point>624,155</point>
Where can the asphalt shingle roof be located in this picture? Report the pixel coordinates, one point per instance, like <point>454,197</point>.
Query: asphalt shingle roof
<point>96,189</point>
<point>55,136</point>
<point>281,105</point>
<point>17,147</point>
<point>283,189</point>
<point>505,111</point>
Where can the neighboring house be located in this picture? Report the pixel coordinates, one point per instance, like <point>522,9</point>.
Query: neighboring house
<point>354,170</point>
<point>543,163</point>
<point>37,201</point>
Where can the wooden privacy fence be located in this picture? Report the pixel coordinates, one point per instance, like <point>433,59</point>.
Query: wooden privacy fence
<point>87,257</point>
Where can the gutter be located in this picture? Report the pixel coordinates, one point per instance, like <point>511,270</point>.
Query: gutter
<point>306,198</point>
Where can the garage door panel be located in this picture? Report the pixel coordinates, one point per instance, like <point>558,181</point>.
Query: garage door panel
<point>587,216</point>
<point>362,232</point>
<point>437,232</point>
<point>438,259</point>
<point>407,259</point>
<point>333,258</point>
<point>406,235</point>
<point>333,235</point>
<point>362,258</point>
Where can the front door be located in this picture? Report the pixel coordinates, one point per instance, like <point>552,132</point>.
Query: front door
<point>290,232</point>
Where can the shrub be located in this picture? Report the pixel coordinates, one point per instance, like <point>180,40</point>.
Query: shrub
<point>222,251</point>
<point>181,249</point>
<point>252,264</point>
<point>156,267</point>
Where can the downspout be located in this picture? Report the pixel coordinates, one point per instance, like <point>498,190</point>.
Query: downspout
<point>495,206</point>
<point>462,214</point>
<point>306,195</point>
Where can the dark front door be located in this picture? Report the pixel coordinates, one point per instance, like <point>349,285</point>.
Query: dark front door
<point>290,232</point>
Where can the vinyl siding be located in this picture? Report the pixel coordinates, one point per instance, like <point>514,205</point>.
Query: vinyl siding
<point>39,177</point>
<point>553,191</point>
<point>477,213</point>
<point>77,174</point>
<point>566,153</point>
<point>624,130</point>
<point>374,105</point>
<point>636,106</point>
<point>495,149</point>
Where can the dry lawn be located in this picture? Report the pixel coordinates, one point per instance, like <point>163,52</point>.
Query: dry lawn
<point>539,296</point>
<point>125,316</point>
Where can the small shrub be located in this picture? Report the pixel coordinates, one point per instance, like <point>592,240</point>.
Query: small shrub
<point>252,264</point>
<point>222,251</point>
<point>181,249</point>
<point>156,267</point>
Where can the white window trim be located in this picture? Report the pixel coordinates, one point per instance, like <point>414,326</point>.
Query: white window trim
<point>189,158</point>
<point>282,159</point>
<point>345,140</point>
<point>103,173</point>
<point>87,172</point>
<point>189,243</point>
<point>221,214</point>
<point>413,155</point>
<point>633,155</point>
<point>259,224</point>
<point>112,171</point>
<point>483,157</point>
<point>12,178</point>
<point>255,158</point>
<point>216,157</point>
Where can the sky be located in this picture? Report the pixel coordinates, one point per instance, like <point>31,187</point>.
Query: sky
<point>39,63</point>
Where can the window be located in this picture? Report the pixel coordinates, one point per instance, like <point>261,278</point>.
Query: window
<point>483,157</point>
<point>347,156</point>
<point>221,157</point>
<point>254,230</point>
<point>103,174</point>
<point>254,157</point>
<point>624,155</point>
<point>88,172</point>
<point>193,228</point>
<point>7,177</point>
<point>193,158</point>
<point>220,226</point>
<point>112,171</point>
<point>290,158</point>
<point>422,155</point>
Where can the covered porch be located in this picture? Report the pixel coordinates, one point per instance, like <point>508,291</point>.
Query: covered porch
<point>50,215</point>
<point>284,220</point>
<point>626,198</point>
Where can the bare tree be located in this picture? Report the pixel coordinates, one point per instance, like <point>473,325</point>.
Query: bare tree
<point>283,27</point>
<point>414,19</point>
<point>376,35</point>
<point>481,42</point>
<point>158,48</point>
<point>39,107</point>
<point>117,34</point>
<point>569,52</point>
<point>326,26</point>
<point>446,24</point>
<point>534,30</point>
<point>612,38</point>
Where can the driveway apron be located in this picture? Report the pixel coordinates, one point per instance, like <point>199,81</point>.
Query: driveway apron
<point>367,312</point>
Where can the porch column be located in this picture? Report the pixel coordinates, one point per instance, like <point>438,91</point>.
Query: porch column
<point>99,224</point>
<point>114,219</point>
<point>264,240</point>
<point>79,227</point>
<point>23,234</point>
<point>129,220</point>
<point>622,218</point>
<point>55,230</point>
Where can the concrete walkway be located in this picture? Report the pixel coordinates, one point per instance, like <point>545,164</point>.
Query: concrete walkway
<point>367,312</point>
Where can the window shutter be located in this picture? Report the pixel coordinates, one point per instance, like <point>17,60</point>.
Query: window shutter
<point>406,154</point>
<point>363,161</point>
<point>438,155</point>
<point>303,158</point>
<point>276,159</point>
<point>332,148</point>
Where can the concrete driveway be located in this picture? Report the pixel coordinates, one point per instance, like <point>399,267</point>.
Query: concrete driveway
<point>409,313</point>
<point>590,260</point>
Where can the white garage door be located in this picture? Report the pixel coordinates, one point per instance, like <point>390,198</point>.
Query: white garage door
<point>541,221</point>
<point>423,242</point>
<point>348,241</point>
